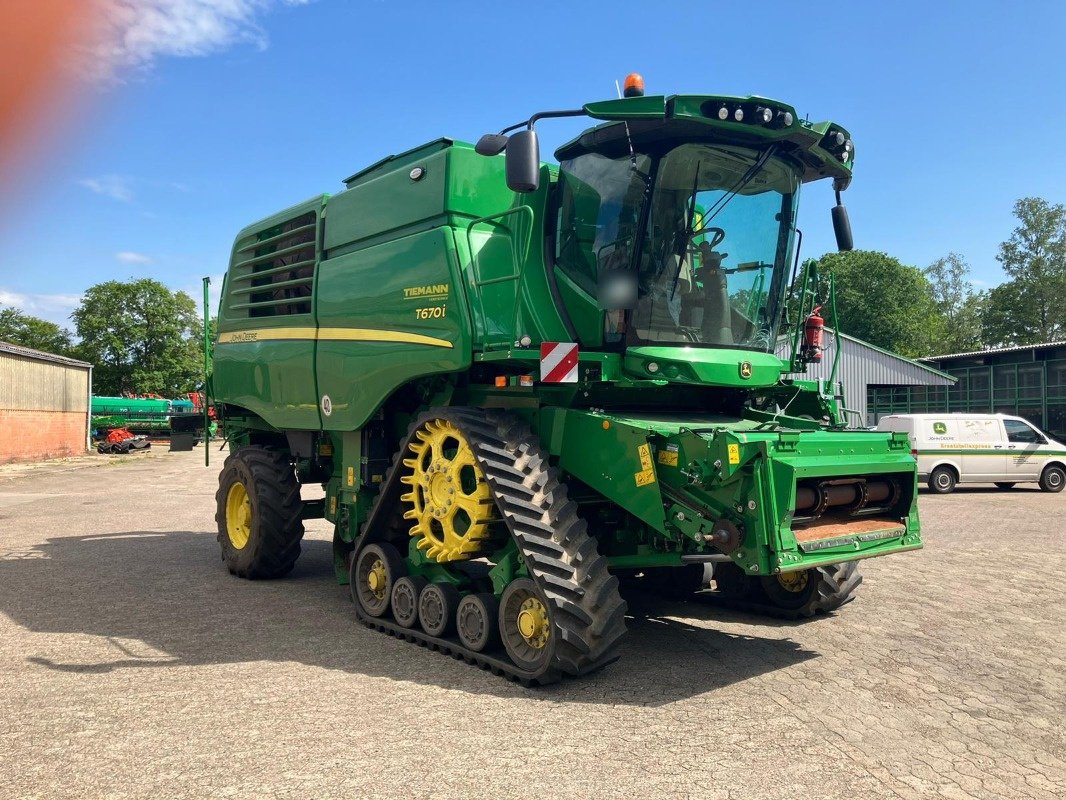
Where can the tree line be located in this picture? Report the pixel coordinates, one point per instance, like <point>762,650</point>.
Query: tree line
<point>142,337</point>
<point>936,310</point>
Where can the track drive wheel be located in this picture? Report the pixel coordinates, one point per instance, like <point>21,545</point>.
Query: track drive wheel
<point>805,593</point>
<point>258,512</point>
<point>526,625</point>
<point>374,572</point>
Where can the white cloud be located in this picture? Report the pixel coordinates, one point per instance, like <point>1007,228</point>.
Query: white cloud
<point>52,307</point>
<point>114,186</point>
<point>130,257</point>
<point>132,34</point>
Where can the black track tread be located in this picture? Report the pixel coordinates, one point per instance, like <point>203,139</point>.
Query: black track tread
<point>836,587</point>
<point>279,507</point>
<point>561,556</point>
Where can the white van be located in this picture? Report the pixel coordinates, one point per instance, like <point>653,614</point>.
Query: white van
<point>980,448</point>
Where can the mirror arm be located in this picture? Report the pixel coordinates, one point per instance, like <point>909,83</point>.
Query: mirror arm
<point>529,123</point>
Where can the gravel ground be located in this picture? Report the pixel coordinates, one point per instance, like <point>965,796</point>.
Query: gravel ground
<point>133,665</point>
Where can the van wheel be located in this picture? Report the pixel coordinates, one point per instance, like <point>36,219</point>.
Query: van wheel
<point>1053,479</point>
<point>942,480</point>
<point>1005,484</point>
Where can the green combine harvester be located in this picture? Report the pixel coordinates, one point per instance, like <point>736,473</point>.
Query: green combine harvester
<point>520,384</point>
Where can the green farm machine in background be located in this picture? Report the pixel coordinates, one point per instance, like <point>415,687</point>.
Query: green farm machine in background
<point>518,383</point>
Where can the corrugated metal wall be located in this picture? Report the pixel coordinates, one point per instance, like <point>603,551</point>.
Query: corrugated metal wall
<point>30,385</point>
<point>861,366</point>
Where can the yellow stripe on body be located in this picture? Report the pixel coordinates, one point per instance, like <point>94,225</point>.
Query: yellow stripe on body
<point>330,335</point>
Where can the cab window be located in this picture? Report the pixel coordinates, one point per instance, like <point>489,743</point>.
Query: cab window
<point>1021,433</point>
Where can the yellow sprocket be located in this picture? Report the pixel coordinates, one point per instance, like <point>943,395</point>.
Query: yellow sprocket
<point>449,503</point>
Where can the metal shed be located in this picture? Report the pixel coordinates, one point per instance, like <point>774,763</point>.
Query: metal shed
<point>864,366</point>
<point>44,404</point>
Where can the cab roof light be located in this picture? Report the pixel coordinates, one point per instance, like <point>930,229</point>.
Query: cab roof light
<point>764,115</point>
<point>634,85</point>
<point>783,119</point>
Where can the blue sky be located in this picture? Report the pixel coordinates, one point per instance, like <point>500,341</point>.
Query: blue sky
<point>229,112</point>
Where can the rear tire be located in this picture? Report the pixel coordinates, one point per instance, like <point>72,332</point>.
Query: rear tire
<point>824,589</point>
<point>943,480</point>
<point>258,512</point>
<point>1005,485</point>
<point>1053,478</point>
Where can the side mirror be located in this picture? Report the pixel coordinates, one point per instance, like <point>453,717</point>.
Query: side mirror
<point>842,228</point>
<point>523,162</point>
<point>491,144</point>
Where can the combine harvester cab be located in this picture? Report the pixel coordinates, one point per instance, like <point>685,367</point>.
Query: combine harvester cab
<point>520,384</point>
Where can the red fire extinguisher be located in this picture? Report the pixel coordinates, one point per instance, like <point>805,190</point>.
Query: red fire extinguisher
<point>813,331</point>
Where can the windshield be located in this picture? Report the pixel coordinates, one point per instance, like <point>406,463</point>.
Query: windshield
<point>709,263</point>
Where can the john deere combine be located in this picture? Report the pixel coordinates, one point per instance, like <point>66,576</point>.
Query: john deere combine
<point>519,382</point>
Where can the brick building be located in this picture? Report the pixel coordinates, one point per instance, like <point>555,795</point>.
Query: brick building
<point>44,404</point>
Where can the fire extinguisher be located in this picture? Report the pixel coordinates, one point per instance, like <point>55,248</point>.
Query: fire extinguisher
<point>813,331</point>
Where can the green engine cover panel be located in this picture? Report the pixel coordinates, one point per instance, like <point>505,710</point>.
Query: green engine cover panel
<point>393,312</point>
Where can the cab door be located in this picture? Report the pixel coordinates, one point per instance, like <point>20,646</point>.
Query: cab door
<point>1025,458</point>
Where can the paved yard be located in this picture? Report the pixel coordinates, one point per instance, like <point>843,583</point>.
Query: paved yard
<point>133,665</point>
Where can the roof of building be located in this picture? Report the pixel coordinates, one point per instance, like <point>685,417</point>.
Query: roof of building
<point>40,355</point>
<point>893,369</point>
<point>995,350</point>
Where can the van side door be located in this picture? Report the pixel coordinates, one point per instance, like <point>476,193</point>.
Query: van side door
<point>1024,457</point>
<point>983,449</point>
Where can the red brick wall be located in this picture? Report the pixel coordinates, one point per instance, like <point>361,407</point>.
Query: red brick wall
<point>28,435</point>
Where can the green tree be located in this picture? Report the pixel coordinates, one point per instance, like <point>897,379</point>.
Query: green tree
<point>141,336</point>
<point>960,308</point>
<point>883,301</point>
<point>28,331</point>
<point>1030,307</point>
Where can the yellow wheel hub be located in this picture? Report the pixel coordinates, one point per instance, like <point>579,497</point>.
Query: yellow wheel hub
<point>376,579</point>
<point>449,502</point>
<point>533,622</point>
<point>238,516</point>
<point>793,581</point>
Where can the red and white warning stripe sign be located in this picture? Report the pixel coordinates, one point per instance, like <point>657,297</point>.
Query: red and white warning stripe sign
<point>558,362</point>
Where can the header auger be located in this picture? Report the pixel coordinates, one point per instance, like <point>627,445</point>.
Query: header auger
<point>520,383</point>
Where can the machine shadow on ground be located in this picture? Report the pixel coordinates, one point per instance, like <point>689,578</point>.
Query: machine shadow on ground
<point>169,591</point>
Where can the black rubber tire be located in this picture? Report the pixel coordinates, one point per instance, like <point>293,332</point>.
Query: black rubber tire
<point>360,568</point>
<point>476,621</point>
<point>276,525</point>
<point>828,588</point>
<point>942,480</point>
<point>1053,478</point>
<point>731,582</point>
<point>676,583</point>
<point>1005,484</point>
<point>437,604</point>
<point>523,654</point>
<point>404,599</point>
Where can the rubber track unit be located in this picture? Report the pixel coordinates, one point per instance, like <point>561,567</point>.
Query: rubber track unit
<point>280,508</point>
<point>562,559</point>
<point>836,587</point>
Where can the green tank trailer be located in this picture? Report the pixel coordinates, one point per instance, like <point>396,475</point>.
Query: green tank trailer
<point>520,383</point>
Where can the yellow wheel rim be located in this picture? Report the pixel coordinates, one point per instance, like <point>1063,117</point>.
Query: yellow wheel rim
<point>793,581</point>
<point>533,623</point>
<point>238,516</point>
<point>449,503</point>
